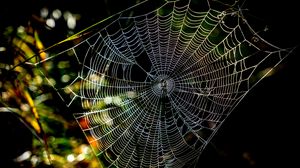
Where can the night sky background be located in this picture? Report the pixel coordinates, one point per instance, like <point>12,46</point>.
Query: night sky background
<point>261,132</point>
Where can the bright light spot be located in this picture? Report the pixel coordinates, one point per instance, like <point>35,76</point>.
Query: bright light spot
<point>67,90</point>
<point>56,14</point>
<point>106,67</point>
<point>7,67</point>
<point>131,94</point>
<point>44,12</point>
<point>80,157</point>
<point>65,78</point>
<point>33,88</point>
<point>94,77</point>
<point>106,119</point>
<point>67,14</point>
<point>21,29</point>
<point>50,22</point>
<point>42,98</point>
<point>5,95</point>
<point>85,149</point>
<point>43,54</point>
<point>70,158</point>
<point>52,81</point>
<point>46,160</point>
<point>38,80</point>
<point>45,154</point>
<point>26,155</point>
<point>117,100</point>
<point>25,107</point>
<point>71,22</point>
<point>2,49</point>
<point>71,19</point>
<point>108,100</point>
<point>34,160</point>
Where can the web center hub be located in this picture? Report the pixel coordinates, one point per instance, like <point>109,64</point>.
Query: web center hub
<point>163,86</point>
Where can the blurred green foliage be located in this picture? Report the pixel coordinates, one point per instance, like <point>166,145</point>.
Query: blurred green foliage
<point>55,139</point>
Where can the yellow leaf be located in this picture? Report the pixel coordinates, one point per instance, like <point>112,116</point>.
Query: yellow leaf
<point>31,104</point>
<point>33,123</point>
<point>38,43</point>
<point>23,47</point>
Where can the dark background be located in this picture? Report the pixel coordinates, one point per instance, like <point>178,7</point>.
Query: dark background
<point>261,132</point>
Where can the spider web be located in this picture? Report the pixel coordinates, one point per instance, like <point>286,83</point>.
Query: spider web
<point>157,83</point>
